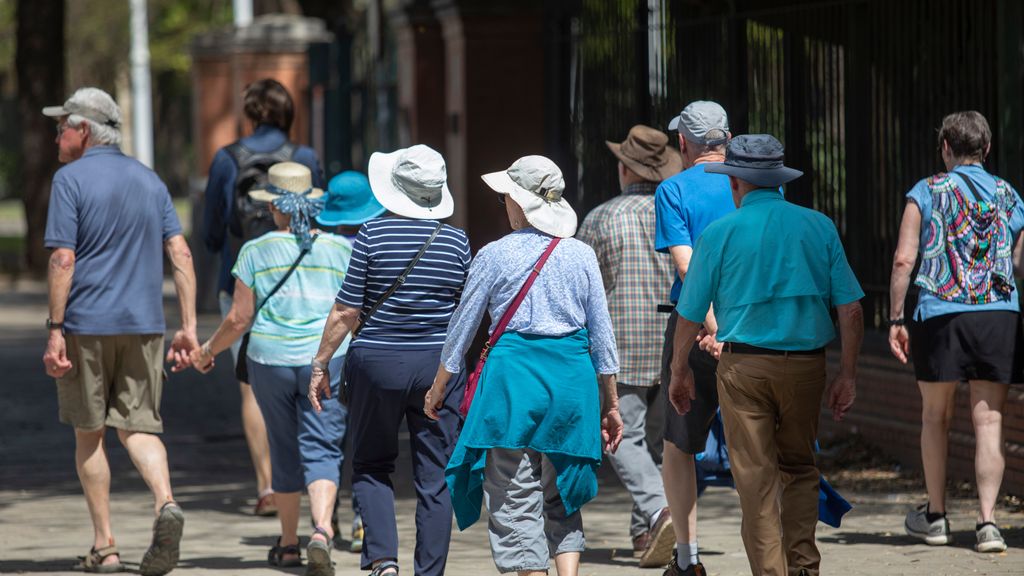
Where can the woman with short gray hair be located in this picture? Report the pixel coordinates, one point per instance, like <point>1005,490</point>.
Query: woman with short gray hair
<point>532,441</point>
<point>967,327</point>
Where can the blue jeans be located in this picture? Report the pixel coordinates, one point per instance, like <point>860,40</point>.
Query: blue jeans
<point>304,446</point>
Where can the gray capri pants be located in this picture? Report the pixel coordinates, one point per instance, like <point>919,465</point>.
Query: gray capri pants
<point>527,525</point>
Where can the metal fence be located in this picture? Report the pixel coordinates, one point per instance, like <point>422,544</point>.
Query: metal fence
<point>855,89</point>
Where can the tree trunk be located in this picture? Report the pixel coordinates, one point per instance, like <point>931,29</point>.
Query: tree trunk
<point>39,62</point>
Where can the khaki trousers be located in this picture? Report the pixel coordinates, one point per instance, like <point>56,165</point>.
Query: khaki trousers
<point>770,406</point>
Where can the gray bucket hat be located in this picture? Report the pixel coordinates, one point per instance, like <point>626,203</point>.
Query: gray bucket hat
<point>755,158</point>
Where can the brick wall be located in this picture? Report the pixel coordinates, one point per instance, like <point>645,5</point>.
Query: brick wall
<point>888,413</point>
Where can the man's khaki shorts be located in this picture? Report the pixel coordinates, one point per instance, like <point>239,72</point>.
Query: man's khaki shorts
<point>114,381</point>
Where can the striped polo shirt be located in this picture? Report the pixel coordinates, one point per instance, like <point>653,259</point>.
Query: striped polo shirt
<point>416,316</point>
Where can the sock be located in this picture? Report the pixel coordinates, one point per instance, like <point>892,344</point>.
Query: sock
<point>932,516</point>
<point>654,518</point>
<point>687,553</point>
<point>977,527</point>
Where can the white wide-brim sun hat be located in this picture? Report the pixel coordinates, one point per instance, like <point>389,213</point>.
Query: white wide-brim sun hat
<point>536,184</point>
<point>288,177</point>
<point>411,182</point>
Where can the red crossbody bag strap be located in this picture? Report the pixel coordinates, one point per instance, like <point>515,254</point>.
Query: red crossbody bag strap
<point>471,382</point>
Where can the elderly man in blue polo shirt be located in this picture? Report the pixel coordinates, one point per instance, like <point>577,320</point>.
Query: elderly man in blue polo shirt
<point>772,270</point>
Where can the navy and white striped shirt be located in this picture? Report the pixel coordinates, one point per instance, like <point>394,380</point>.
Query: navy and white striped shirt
<point>416,316</point>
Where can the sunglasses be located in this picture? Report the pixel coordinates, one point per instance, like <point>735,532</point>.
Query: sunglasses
<point>501,199</point>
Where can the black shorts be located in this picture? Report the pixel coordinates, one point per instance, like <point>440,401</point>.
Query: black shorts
<point>690,432</point>
<point>969,346</point>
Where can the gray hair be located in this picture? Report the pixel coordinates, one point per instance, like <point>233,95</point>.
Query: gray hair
<point>101,102</point>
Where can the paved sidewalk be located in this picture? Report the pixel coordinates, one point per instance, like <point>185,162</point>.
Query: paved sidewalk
<point>44,524</point>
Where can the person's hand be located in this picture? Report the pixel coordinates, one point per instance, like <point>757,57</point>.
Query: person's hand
<point>611,429</point>
<point>55,358</point>
<point>319,386</point>
<point>682,390</point>
<point>899,342</point>
<point>841,393</point>
<point>433,401</point>
<point>182,345</point>
<point>709,344</point>
<point>202,358</point>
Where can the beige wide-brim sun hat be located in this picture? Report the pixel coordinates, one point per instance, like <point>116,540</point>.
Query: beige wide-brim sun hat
<point>287,176</point>
<point>536,184</point>
<point>411,182</point>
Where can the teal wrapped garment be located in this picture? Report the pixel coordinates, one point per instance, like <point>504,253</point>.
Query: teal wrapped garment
<point>536,392</point>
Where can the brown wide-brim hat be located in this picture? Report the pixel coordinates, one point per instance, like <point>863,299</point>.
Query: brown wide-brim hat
<point>646,152</point>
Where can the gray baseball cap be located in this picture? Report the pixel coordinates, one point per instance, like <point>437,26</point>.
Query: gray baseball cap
<point>91,103</point>
<point>699,118</point>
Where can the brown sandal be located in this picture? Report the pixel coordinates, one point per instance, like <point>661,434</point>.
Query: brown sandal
<point>93,562</point>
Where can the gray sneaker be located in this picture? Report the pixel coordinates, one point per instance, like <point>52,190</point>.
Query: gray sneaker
<point>933,533</point>
<point>989,539</point>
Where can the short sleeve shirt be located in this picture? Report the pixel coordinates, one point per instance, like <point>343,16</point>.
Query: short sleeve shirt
<point>773,270</point>
<point>416,316</point>
<point>685,205</point>
<point>929,305</point>
<point>288,328</point>
<point>116,215</point>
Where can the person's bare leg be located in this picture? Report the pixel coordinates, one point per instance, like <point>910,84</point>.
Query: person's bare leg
<point>322,494</point>
<point>255,437</point>
<point>679,474</point>
<point>94,474</point>
<point>987,400</point>
<point>936,414</point>
<point>288,515</point>
<point>531,573</point>
<point>150,458</point>
<point>566,563</point>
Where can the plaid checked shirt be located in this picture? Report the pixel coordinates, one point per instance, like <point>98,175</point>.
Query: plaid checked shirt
<point>636,279</point>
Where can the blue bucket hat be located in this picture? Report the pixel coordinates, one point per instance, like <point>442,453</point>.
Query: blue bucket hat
<point>755,158</point>
<point>349,201</point>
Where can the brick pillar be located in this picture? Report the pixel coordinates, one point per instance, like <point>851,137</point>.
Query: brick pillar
<point>494,101</point>
<point>420,51</point>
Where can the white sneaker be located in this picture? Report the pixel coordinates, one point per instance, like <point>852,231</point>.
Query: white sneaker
<point>989,539</point>
<point>933,533</point>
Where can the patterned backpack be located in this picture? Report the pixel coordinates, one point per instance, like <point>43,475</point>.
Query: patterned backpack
<point>967,254</point>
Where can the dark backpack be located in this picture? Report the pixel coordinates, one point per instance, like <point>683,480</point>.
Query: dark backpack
<point>251,219</point>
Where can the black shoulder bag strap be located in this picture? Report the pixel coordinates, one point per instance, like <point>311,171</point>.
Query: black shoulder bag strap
<point>397,283</point>
<point>284,278</point>
<point>970,184</point>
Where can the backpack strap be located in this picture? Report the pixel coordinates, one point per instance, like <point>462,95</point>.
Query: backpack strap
<point>238,152</point>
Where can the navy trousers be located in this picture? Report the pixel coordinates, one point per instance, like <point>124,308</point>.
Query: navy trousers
<point>386,386</point>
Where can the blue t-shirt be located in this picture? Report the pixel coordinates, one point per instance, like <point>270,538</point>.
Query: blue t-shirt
<point>929,305</point>
<point>773,270</point>
<point>416,316</point>
<point>220,194</point>
<point>684,206</point>
<point>288,328</point>
<point>116,215</point>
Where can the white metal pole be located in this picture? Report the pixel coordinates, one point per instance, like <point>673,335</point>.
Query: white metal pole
<point>142,99</point>
<point>243,12</point>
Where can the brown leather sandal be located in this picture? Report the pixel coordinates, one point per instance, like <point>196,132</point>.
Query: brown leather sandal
<point>93,562</point>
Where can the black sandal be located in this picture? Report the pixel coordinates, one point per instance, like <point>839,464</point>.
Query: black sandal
<point>276,556</point>
<point>379,570</point>
<point>318,554</point>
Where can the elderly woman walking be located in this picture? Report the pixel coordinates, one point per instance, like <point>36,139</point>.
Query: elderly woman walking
<point>289,277</point>
<point>405,281</point>
<point>967,326</point>
<point>532,441</point>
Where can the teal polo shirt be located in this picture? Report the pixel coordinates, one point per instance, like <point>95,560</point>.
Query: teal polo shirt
<point>773,270</point>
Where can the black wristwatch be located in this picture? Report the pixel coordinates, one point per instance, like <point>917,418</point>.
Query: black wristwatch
<point>51,325</point>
